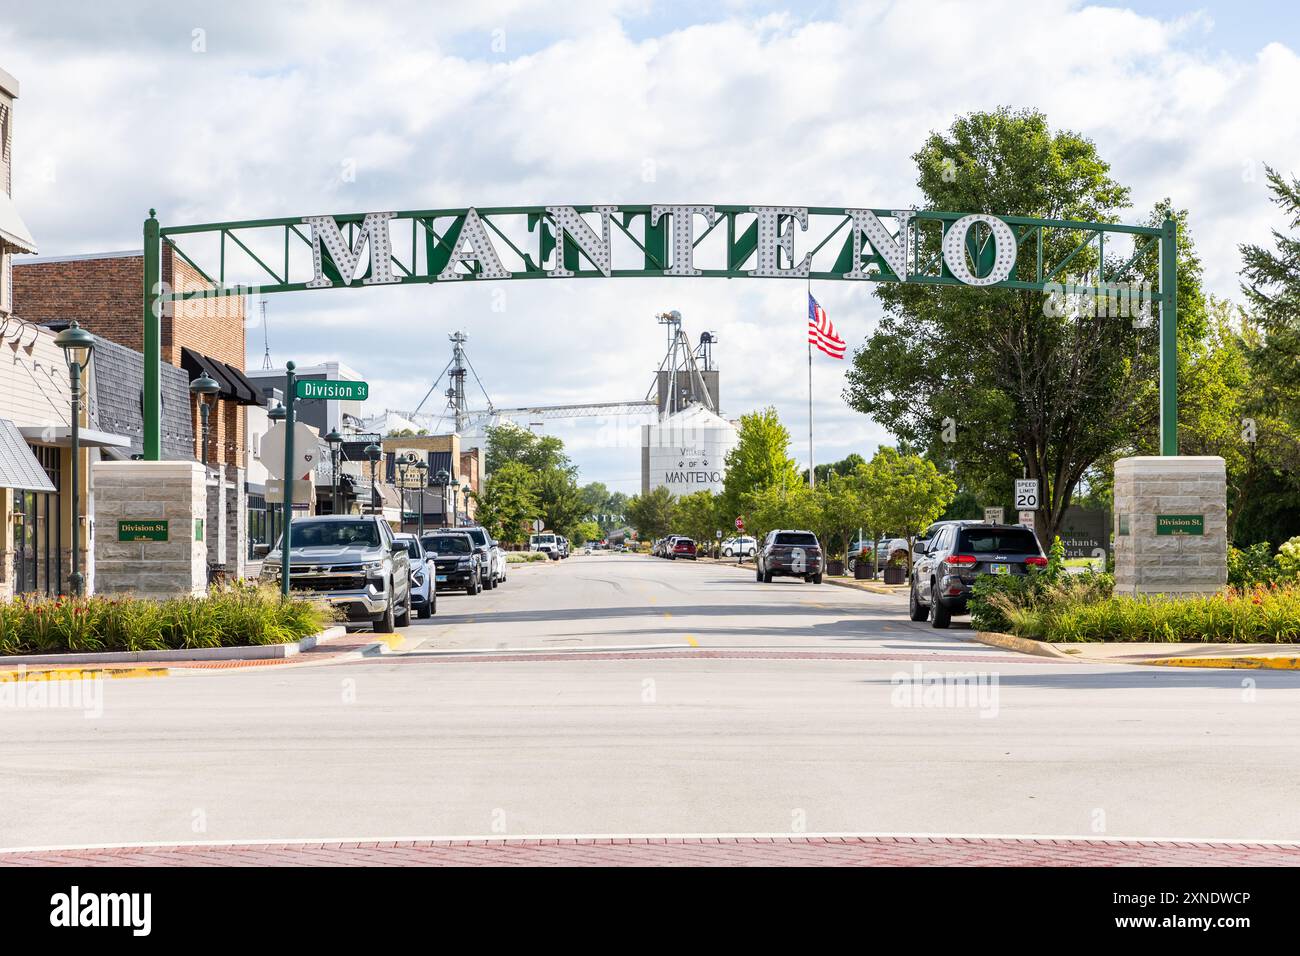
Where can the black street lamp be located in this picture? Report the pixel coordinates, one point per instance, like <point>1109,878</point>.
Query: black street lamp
<point>201,388</point>
<point>372,452</point>
<point>335,440</point>
<point>422,467</point>
<point>403,463</point>
<point>441,479</point>
<point>77,344</point>
<point>277,416</point>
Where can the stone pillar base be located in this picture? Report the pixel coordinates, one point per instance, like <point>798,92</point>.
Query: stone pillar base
<point>150,491</point>
<point>1171,525</point>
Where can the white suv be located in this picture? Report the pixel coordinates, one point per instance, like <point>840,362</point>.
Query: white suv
<point>743,546</point>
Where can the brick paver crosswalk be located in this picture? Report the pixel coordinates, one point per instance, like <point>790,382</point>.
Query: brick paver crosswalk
<point>685,851</point>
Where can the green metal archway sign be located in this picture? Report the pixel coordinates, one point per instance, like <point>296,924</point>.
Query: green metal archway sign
<point>977,250</point>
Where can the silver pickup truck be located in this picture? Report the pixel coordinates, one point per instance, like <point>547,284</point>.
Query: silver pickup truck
<point>353,563</point>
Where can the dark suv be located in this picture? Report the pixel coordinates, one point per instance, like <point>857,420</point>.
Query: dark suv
<point>457,562</point>
<point>792,554</point>
<point>950,560</point>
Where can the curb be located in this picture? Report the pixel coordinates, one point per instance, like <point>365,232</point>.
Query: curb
<point>1234,663</point>
<point>1025,646</point>
<point>885,589</point>
<point>246,653</point>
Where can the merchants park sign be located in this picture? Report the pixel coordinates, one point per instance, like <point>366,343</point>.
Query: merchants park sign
<point>854,244</point>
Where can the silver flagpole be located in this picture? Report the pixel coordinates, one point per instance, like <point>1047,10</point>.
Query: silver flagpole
<point>812,465</point>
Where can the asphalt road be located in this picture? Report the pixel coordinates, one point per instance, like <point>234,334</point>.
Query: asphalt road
<point>627,695</point>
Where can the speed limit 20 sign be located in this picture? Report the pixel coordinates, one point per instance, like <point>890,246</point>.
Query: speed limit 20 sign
<point>1026,494</point>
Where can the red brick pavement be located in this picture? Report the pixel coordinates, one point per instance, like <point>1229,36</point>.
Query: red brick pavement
<point>686,851</point>
<point>919,657</point>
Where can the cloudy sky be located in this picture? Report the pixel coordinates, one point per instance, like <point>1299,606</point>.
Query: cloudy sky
<point>243,110</point>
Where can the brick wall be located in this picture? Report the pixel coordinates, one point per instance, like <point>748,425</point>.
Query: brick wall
<point>104,294</point>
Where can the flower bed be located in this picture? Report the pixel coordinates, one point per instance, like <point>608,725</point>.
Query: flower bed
<point>238,616</point>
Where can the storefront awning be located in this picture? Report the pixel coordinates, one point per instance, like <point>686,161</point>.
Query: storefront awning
<point>13,231</point>
<point>234,386</point>
<point>61,436</point>
<point>18,466</point>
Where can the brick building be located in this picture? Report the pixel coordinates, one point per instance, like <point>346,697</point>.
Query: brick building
<point>103,293</point>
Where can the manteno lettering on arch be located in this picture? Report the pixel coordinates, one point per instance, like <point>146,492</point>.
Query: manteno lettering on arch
<point>437,246</point>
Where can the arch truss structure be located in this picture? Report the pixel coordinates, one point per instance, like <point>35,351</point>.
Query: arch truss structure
<point>1106,262</point>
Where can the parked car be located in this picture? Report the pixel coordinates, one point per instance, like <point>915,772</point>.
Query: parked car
<point>793,554</point>
<point>424,594</point>
<point>681,547</point>
<point>563,542</point>
<point>491,555</point>
<point>959,552</point>
<point>744,546</point>
<point>545,542</point>
<point>353,563</point>
<point>458,564</point>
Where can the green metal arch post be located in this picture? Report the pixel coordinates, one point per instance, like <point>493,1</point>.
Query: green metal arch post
<point>152,397</point>
<point>1169,338</point>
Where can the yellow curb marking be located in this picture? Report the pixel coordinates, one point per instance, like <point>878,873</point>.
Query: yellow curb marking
<point>1238,663</point>
<point>83,674</point>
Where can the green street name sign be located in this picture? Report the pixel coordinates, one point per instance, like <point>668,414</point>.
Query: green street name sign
<point>332,391</point>
<point>142,530</point>
<point>1180,524</point>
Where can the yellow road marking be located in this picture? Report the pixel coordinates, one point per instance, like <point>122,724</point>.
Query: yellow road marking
<point>1240,663</point>
<point>83,673</point>
<point>692,641</point>
<point>668,613</point>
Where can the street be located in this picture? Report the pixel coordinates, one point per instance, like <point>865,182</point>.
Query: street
<point>620,695</point>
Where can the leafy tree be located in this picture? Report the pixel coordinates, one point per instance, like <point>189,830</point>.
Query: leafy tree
<point>508,503</point>
<point>906,493</point>
<point>999,382</point>
<point>559,500</point>
<point>698,516</point>
<point>509,442</point>
<point>839,508</point>
<point>594,497</point>
<point>844,467</point>
<point>759,460</point>
<point>586,531</point>
<point>653,514</point>
<point>773,506</point>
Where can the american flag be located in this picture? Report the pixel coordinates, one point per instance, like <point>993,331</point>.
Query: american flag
<point>820,331</point>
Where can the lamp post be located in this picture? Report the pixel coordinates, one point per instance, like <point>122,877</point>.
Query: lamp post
<point>403,463</point>
<point>77,344</point>
<point>372,452</point>
<point>455,506</point>
<point>422,468</point>
<point>441,479</point>
<point>335,440</point>
<point>276,416</point>
<point>201,388</point>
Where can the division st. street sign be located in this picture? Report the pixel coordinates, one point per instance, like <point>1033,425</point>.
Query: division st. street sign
<point>332,391</point>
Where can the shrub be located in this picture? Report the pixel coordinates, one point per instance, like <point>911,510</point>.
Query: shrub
<point>1258,615</point>
<point>241,615</point>
<point>1252,566</point>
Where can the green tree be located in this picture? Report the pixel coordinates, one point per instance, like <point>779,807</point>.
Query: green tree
<point>509,442</point>
<point>1271,283</point>
<point>1004,382</point>
<point>586,531</point>
<point>773,506</point>
<point>652,514</point>
<point>508,503</point>
<point>844,467</point>
<point>760,459</point>
<point>698,516</point>
<point>840,508</point>
<point>560,500</point>
<point>906,493</point>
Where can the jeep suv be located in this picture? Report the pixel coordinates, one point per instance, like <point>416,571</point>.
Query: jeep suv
<point>949,561</point>
<point>351,562</point>
<point>490,555</point>
<point>457,562</point>
<point>793,554</point>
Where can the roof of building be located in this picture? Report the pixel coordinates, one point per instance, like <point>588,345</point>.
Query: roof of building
<point>119,400</point>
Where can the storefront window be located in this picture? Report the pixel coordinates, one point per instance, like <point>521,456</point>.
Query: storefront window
<point>38,532</point>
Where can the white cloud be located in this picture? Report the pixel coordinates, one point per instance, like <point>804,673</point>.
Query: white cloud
<point>584,104</point>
